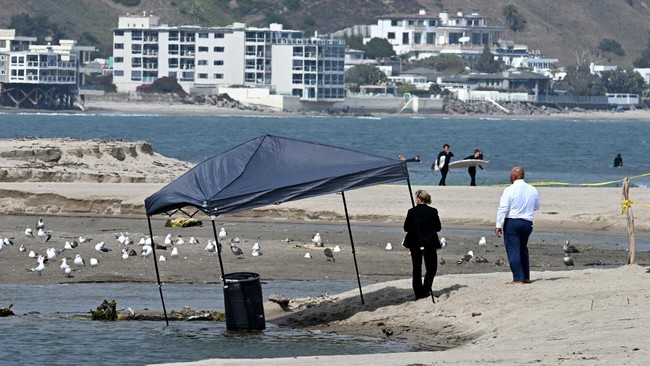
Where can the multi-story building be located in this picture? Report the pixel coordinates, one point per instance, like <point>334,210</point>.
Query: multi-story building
<point>423,35</point>
<point>47,76</point>
<point>279,59</point>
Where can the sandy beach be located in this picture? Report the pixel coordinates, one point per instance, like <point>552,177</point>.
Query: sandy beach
<point>593,313</point>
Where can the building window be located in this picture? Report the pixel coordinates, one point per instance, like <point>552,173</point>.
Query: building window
<point>204,49</point>
<point>394,22</point>
<point>203,76</point>
<point>118,73</point>
<point>417,38</point>
<point>218,35</point>
<point>433,23</point>
<point>405,38</point>
<point>119,32</point>
<point>203,35</point>
<point>136,75</point>
<point>202,62</point>
<point>391,35</point>
<point>218,76</point>
<point>431,38</point>
<point>218,62</point>
<point>218,49</point>
<point>118,46</point>
<point>118,60</point>
<point>411,22</point>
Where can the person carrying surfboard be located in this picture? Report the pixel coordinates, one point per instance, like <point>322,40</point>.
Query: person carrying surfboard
<point>478,155</point>
<point>442,163</point>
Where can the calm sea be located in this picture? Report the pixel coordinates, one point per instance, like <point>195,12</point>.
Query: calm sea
<point>572,151</point>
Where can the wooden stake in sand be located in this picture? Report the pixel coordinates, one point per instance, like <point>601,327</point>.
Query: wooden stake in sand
<point>627,208</point>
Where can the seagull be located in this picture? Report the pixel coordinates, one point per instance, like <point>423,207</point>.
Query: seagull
<point>67,246</point>
<point>132,253</point>
<point>236,250</point>
<point>443,243</point>
<point>256,246</point>
<point>45,235</point>
<point>22,248</point>
<point>236,240</point>
<point>40,224</point>
<point>79,261</point>
<point>307,255</point>
<point>482,241</point>
<point>389,246</point>
<point>121,238</point>
<point>168,239</point>
<point>222,234</point>
<point>41,266</point>
<point>337,249</point>
<point>317,240</point>
<point>142,241</point>
<point>500,262</point>
<point>193,240</point>
<point>8,241</point>
<point>568,261</point>
<point>466,258</point>
<point>174,252</point>
<point>210,247</point>
<point>125,253</point>
<point>94,262</point>
<point>568,248</point>
<point>51,254</point>
<point>480,259</point>
<point>146,250</point>
<point>329,254</point>
<point>101,247</point>
<point>68,272</point>
<point>162,258</point>
<point>84,239</point>
<point>180,241</point>
<point>32,254</point>
<point>288,240</point>
<point>29,232</point>
<point>64,263</point>
<point>256,253</point>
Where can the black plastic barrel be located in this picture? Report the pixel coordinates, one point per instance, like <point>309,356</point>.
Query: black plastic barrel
<point>242,294</point>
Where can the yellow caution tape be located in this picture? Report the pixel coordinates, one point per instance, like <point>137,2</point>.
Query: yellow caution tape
<point>600,184</point>
<point>626,204</point>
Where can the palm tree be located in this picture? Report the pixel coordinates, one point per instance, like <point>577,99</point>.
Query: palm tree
<point>514,20</point>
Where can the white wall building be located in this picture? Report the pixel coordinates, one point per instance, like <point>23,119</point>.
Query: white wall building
<point>422,35</point>
<point>275,58</point>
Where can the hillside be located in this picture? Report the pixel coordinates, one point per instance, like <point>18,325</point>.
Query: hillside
<point>569,30</point>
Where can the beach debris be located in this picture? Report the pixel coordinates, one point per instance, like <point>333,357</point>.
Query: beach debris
<point>568,248</point>
<point>317,240</point>
<point>307,255</point>
<point>183,222</point>
<point>7,311</point>
<point>336,249</point>
<point>466,258</point>
<point>568,261</point>
<point>281,300</point>
<point>222,234</point>
<point>476,314</point>
<point>236,250</point>
<point>442,260</point>
<point>389,246</point>
<point>500,262</point>
<point>105,311</point>
<point>443,243</point>
<point>387,331</point>
<point>45,235</point>
<point>482,241</point>
<point>329,254</point>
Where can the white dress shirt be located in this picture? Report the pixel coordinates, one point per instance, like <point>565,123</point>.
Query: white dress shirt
<point>519,201</point>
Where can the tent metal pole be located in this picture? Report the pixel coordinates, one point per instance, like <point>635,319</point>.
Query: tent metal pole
<point>408,183</point>
<point>155,263</point>
<point>214,231</point>
<point>354,253</point>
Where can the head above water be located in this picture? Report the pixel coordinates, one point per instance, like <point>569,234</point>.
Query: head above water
<point>517,173</point>
<point>423,197</point>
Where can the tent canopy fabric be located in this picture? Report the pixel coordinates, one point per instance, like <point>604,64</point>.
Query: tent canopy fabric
<point>271,170</point>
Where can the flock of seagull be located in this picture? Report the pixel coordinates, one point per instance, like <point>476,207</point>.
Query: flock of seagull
<point>52,254</point>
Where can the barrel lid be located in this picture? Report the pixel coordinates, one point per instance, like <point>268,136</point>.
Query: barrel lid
<point>240,277</point>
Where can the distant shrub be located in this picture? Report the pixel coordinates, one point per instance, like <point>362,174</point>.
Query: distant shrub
<point>128,2</point>
<point>611,45</point>
<point>164,84</point>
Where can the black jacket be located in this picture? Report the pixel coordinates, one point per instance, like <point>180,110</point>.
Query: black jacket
<point>422,220</point>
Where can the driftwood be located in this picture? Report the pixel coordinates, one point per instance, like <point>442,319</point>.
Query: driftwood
<point>7,311</point>
<point>105,311</point>
<point>630,222</point>
<point>186,314</point>
<point>280,300</point>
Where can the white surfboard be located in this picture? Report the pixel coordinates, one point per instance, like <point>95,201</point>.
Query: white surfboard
<point>466,163</point>
<point>437,164</point>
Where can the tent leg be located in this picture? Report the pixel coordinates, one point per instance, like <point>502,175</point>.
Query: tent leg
<point>354,253</point>
<point>155,262</point>
<point>408,183</point>
<point>214,231</point>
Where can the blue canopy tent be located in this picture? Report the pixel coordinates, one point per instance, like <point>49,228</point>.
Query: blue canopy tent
<point>271,170</point>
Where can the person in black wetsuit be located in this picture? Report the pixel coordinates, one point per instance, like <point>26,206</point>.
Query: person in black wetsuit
<point>478,155</point>
<point>444,166</point>
<point>618,161</point>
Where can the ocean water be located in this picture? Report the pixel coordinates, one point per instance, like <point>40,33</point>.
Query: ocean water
<point>570,151</point>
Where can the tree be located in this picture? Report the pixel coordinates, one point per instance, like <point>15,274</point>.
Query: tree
<point>644,60</point>
<point>379,48</point>
<point>624,80</point>
<point>355,43</point>
<point>612,46</point>
<point>38,26</point>
<point>486,61</point>
<point>364,75</point>
<point>580,81</point>
<point>164,84</point>
<point>515,21</point>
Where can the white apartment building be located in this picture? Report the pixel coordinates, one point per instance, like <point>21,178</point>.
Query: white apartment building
<point>275,58</point>
<point>40,75</point>
<point>422,35</point>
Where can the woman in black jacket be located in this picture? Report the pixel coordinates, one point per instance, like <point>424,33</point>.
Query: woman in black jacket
<point>422,225</point>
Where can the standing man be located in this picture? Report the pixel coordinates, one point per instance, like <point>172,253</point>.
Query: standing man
<point>518,203</point>
<point>442,163</point>
<point>478,155</point>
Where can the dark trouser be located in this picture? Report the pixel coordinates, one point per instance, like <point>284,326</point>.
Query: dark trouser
<point>444,172</point>
<point>472,175</point>
<point>430,256</point>
<point>515,236</point>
